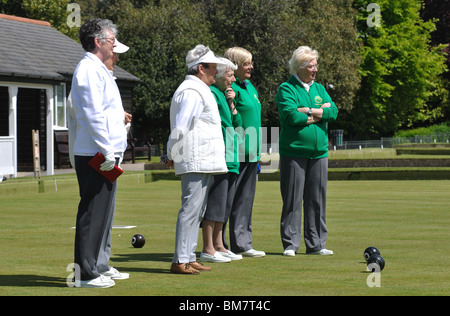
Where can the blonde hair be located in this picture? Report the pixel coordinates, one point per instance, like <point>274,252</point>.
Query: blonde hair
<point>301,57</point>
<point>238,55</point>
<point>225,67</point>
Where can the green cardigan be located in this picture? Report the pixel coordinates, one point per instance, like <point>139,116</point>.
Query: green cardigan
<point>296,138</point>
<point>231,137</point>
<point>249,107</point>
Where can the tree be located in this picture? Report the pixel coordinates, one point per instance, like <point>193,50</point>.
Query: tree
<point>438,11</point>
<point>400,70</point>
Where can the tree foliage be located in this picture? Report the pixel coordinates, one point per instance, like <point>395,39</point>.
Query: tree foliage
<point>400,71</point>
<point>161,32</point>
<point>438,12</point>
<point>385,78</point>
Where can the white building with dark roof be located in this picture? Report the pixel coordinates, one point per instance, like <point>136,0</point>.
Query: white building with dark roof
<point>36,67</point>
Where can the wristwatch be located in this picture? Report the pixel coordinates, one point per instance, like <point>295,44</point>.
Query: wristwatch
<point>310,112</point>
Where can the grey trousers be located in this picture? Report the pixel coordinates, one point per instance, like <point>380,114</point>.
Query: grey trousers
<point>303,183</point>
<point>194,194</point>
<point>240,220</point>
<point>94,220</point>
<point>105,248</point>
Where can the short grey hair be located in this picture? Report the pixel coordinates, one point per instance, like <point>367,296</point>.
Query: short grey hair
<point>95,28</point>
<point>301,57</point>
<point>225,67</point>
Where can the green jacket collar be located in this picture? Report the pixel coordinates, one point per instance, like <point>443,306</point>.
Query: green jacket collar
<point>242,84</point>
<point>294,81</point>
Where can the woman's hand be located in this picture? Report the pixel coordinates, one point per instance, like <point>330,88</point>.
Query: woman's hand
<point>230,94</point>
<point>310,120</point>
<point>315,116</point>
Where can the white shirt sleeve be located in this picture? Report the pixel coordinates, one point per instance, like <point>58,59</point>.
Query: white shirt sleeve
<point>94,110</point>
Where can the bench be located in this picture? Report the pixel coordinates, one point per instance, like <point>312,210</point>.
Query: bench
<point>133,148</point>
<point>61,147</point>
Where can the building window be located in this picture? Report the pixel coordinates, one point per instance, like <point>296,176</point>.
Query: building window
<point>59,110</point>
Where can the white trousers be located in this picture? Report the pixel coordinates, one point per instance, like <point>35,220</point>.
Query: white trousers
<point>194,193</point>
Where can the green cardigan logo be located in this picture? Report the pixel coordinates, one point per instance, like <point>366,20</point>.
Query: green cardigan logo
<point>318,100</point>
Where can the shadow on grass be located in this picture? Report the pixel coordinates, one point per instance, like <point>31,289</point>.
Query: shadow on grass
<point>142,257</point>
<point>32,280</point>
<point>129,257</point>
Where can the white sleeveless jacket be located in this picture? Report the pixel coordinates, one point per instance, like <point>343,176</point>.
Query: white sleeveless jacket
<point>196,142</point>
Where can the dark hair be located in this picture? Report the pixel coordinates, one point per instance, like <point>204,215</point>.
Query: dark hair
<point>95,28</point>
<point>194,70</point>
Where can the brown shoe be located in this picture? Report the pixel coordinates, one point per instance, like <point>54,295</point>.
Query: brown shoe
<point>198,266</point>
<point>183,268</point>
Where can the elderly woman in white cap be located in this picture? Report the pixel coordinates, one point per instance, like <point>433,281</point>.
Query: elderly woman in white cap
<point>197,150</point>
<point>111,64</point>
<point>119,49</point>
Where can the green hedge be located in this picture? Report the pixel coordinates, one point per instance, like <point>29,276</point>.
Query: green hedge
<point>342,174</point>
<point>423,151</point>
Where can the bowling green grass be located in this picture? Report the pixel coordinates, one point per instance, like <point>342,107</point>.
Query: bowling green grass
<point>409,221</point>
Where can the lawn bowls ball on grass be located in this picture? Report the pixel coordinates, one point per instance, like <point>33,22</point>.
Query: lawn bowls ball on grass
<point>138,241</point>
<point>375,263</point>
<point>370,251</point>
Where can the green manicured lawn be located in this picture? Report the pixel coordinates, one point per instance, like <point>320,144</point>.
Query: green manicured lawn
<point>407,220</point>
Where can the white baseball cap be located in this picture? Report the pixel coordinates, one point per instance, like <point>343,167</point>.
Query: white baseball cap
<point>208,58</point>
<point>120,48</point>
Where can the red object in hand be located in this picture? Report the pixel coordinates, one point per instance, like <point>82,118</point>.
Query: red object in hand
<point>111,175</point>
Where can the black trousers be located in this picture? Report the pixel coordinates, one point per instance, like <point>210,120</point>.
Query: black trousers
<point>94,218</point>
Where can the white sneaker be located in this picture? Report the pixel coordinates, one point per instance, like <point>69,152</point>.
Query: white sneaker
<point>114,274</point>
<point>289,253</point>
<point>253,253</point>
<point>322,252</point>
<point>217,257</point>
<point>100,282</point>
<point>231,255</point>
